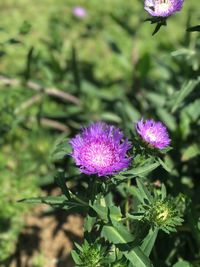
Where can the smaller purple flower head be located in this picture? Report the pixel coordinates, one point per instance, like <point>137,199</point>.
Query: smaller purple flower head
<point>100,149</point>
<point>162,8</point>
<point>79,12</point>
<point>154,133</point>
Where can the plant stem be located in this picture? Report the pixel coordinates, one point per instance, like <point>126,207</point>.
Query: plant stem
<point>127,206</point>
<point>78,199</point>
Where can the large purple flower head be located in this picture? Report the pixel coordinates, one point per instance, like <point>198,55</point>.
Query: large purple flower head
<point>100,149</point>
<point>154,133</point>
<point>162,8</point>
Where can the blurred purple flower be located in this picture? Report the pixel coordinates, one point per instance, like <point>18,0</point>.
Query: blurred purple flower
<point>154,133</point>
<point>100,149</point>
<point>79,12</point>
<point>162,8</point>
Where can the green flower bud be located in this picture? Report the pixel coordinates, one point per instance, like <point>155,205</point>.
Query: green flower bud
<point>90,256</point>
<point>160,212</point>
<point>164,214</point>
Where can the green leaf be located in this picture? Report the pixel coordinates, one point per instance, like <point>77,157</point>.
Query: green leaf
<point>136,216</point>
<point>186,89</point>
<point>191,152</point>
<point>198,224</point>
<point>182,264</point>
<point>135,192</point>
<point>194,28</point>
<point>131,111</point>
<point>89,223</point>
<point>167,118</point>
<point>137,257</point>
<point>149,241</point>
<point>108,116</point>
<point>45,200</point>
<point>117,236</point>
<point>193,110</point>
<point>75,257</point>
<point>80,248</point>
<point>109,199</point>
<point>112,213</point>
<point>60,180</point>
<point>158,26</point>
<point>122,236</point>
<point>163,191</point>
<point>145,194</point>
<point>156,99</point>
<point>140,171</point>
<point>60,149</point>
<point>164,165</point>
<point>58,201</point>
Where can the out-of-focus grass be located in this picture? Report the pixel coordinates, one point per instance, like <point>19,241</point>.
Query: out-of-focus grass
<point>23,162</point>
<point>106,21</point>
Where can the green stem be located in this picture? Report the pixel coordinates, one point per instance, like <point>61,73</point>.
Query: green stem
<point>78,199</point>
<point>93,188</point>
<point>127,206</point>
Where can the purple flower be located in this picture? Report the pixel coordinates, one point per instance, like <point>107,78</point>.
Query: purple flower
<point>79,12</point>
<point>100,149</point>
<point>154,133</point>
<point>162,8</point>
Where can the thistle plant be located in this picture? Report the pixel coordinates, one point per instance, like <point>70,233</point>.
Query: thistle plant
<point>100,150</point>
<point>158,210</point>
<point>160,10</point>
<point>113,169</point>
<point>154,133</point>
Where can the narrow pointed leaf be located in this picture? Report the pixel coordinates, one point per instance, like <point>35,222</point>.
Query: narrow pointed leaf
<point>106,214</point>
<point>182,263</point>
<point>142,170</point>
<point>164,165</point>
<point>194,29</point>
<point>60,180</point>
<point>144,191</point>
<point>149,241</point>
<point>123,237</point>
<point>45,200</point>
<point>186,89</point>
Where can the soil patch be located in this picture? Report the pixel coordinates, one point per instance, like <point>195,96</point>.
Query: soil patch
<point>47,238</point>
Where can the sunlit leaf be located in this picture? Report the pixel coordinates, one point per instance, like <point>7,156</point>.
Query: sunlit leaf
<point>186,89</point>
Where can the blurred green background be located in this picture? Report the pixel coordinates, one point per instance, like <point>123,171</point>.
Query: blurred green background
<point>59,72</point>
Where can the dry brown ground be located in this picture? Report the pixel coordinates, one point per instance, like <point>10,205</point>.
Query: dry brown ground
<point>49,233</point>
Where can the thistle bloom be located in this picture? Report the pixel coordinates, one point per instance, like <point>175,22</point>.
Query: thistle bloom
<point>162,8</point>
<point>79,12</point>
<point>154,133</point>
<point>99,149</point>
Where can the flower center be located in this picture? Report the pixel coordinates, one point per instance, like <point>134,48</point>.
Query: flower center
<point>162,5</point>
<point>98,155</point>
<point>163,215</point>
<point>151,135</point>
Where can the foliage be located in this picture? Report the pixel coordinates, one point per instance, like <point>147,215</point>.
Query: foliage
<point>22,161</point>
<point>11,188</point>
<point>60,73</point>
